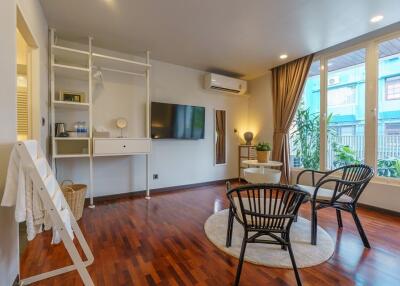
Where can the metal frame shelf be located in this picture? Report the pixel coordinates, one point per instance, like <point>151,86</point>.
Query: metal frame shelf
<point>78,64</point>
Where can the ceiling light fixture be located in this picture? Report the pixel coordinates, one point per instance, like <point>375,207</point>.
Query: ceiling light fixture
<point>376,19</point>
<point>284,56</point>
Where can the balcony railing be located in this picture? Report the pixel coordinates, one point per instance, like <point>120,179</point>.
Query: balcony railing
<point>388,150</point>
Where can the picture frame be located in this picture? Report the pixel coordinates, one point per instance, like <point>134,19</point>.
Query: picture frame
<point>72,96</point>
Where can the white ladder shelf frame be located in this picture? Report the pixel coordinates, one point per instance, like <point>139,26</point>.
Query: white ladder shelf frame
<point>57,223</point>
<point>91,56</point>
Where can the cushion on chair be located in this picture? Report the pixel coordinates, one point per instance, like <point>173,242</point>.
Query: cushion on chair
<point>324,194</point>
<point>246,205</point>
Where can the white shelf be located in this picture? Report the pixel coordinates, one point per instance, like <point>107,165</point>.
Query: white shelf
<point>69,62</point>
<point>69,56</point>
<point>72,156</point>
<point>71,105</point>
<point>119,64</point>
<point>72,72</point>
<point>71,138</point>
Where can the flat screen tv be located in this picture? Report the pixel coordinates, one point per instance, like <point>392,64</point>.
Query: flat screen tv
<point>175,121</point>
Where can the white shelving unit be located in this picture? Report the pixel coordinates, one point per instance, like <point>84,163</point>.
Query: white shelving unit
<point>75,64</point>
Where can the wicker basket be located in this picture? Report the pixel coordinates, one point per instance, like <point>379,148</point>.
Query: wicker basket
<point>75,196</point>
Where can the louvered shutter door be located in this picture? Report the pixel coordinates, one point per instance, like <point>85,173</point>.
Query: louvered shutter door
<point>22,114</point>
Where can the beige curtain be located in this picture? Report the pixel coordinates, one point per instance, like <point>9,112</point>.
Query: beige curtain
<point>287,86</point>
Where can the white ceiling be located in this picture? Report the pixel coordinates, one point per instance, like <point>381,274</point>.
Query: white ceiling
<point>231,36</point>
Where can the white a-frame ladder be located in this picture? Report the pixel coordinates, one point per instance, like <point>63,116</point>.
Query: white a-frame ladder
<point>30,158</point>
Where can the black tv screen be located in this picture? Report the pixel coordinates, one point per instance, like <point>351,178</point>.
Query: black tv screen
<point>175,121</point>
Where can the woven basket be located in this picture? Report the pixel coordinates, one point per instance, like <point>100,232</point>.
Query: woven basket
<point>75,196</point>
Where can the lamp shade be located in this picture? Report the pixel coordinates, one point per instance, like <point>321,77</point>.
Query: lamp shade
<point>248,136</point>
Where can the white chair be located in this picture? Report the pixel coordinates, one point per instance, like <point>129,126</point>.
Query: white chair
<point>262,175</point>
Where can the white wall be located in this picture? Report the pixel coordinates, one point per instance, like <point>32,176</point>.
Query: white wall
<point>8,135</point>
<point>186,162</point>
<point>35,19</point>
<point>260,119</point>
<point>177,162</point>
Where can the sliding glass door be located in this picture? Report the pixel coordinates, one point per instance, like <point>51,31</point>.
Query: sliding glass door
<point>345,109</point>
<point>388,112</point>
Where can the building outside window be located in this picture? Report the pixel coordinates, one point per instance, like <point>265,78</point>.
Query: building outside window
<point>392,129</point>
<point>388,151</point>
<point>342,96</point>
<point>392,88</point>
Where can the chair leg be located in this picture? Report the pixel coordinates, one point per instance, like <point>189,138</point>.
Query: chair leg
<point>314,226</point>
<point>360,229</point>
<point>296,272</point>
<point>283,235</point>
<point>339,218</point>
<point>230,228</point>
<point>241,260</point>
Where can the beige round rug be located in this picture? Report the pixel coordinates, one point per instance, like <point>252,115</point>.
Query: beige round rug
<point>306,255</point>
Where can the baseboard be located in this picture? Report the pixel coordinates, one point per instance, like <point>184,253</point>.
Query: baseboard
<point>158,191</point>
<point>379,210</point>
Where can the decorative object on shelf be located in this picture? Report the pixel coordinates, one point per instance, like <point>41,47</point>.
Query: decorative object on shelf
<point>75,196</point>
<point>72,96</point>
<point>121,123</point>
<point>60,130</point>
<point>101,132</point>
<point>80,129</point>
<point>97,74</point>
<point>248,136</point>
<point>263,152</point>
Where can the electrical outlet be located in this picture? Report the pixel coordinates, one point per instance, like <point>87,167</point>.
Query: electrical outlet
<point>155,176</point>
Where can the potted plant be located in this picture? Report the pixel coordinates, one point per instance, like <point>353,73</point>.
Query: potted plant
<point>263,152</point>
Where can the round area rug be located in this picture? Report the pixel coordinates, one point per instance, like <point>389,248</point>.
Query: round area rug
<point>306,255</point>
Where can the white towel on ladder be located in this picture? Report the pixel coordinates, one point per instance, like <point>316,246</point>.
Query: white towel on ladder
<point>21,193</point>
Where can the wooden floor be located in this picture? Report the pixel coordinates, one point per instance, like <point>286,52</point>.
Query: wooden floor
<point>162,242</point>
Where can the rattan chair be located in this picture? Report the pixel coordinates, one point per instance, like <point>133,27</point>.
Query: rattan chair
<point>347,184</point>
<point>264,210</point>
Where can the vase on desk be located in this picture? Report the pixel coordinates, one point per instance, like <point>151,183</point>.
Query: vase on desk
<point>263,152</point>
<point>263,156</point>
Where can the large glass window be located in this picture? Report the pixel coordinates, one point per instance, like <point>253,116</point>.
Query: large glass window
<point>389,109</point>
<point>345,95</point>
<point>304,133</point>
<point>346,109</point>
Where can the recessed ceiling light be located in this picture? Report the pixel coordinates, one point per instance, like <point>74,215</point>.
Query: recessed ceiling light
<point>282,57</point>
<point>376,19</point>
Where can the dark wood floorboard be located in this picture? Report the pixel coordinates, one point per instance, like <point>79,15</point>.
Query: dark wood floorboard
<point>162,242</point>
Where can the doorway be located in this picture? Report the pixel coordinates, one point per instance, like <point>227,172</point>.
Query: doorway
<point>27,94</point>
<point>24,111</point>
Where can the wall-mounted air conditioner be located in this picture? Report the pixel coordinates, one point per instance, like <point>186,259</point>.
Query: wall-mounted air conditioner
<point>334,80</point>
<point>225,84</point>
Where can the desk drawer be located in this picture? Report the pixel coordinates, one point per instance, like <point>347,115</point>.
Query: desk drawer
<point>121,146</point>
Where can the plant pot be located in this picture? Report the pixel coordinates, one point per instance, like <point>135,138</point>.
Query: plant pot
<point>263,156</point>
